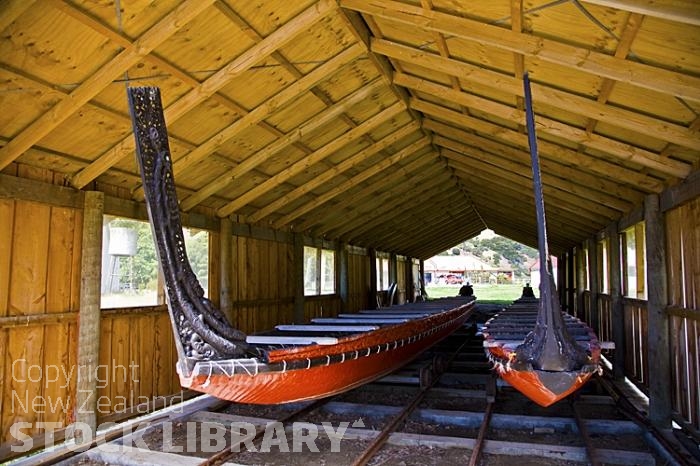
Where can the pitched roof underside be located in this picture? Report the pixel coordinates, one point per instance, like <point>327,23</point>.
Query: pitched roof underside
<point>397,125</point>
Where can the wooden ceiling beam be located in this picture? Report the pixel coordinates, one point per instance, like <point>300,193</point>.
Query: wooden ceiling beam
<point>336,171</point>
<point>565,172</point>
<point>565,199</point>
<point>419,224</point>
<point>104,76</point>
<point>552,127</point>
<point>549,50</point>
<point>313,158</point>
<point>542,94</point>
<point>369,214</point>
<point>280,37</point>
<point>267,108</point>
<point>414,224</point>
<point>516,163</point>
<point>555,224</point>
<point>439,235</point>
<point>546,125</point>
<point>354,196</point>
<point>680,11</point>
<point>348,184</point>
<point>485,193</point>
<point>415,227</point>
<point>279,144</point>
<point>615,173</point>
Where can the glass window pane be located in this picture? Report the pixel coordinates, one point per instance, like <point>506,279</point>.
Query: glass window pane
<point>631,263</point>
<point>385,274</point>
<point>197,247</point>
<point>129,264</point>
<point>310,272</point>
<point>327,271</point>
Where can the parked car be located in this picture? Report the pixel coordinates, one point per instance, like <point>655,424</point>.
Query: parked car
<point>452,279</point>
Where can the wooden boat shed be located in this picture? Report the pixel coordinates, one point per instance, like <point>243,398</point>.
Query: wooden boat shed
<point>374,132</point>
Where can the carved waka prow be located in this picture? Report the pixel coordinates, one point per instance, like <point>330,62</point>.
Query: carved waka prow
<point>201,330</point>
<point>549,347</point>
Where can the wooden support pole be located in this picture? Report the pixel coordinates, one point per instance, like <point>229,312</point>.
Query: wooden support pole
<point>343,280</point>
<point>617,312</point>
<point>421,268</point>
<point>658,336</point>
<point>299,300</point>
<point>570,287</point>
<point>594,282</point>
<point>410,281</point>
<point>89,313</point>
<point>372,298</point>
<point>581,280</point>
<point>226,269</point>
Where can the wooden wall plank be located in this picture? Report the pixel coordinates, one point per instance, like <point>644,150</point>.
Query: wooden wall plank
<point>7,210</point>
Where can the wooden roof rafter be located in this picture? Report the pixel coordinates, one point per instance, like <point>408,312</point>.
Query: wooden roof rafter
<point>580,59</point>
<point>549,126</point>
<point>366,215</point>
<point>544,94</point>
<point>554,152</point>
<point>343,187</point>
<point>48,121</point>
<point>211,85</point>
<point>359,194</point>
<point>315,157</point>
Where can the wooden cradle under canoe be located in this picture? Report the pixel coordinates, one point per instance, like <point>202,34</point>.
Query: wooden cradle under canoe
<point>507,330</point>
<point>292,363</point>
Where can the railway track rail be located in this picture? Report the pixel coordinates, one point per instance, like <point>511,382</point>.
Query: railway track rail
<point>415,416</point>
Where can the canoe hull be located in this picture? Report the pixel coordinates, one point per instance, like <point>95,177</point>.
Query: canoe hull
<point>545,388</point>
<point>361,366</point>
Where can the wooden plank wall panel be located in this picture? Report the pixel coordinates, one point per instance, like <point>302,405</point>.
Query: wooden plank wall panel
<point>683,271</point>
<point>604,324</point>
<point>358,281</point>
<point>262,289</point>
<point>39,275</point>
<point>137,359</point>
<point>636,343</point>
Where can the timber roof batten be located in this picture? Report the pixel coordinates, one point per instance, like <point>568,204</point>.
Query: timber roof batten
<point>392,125</point>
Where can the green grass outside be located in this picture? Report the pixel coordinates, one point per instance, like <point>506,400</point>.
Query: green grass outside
<point>491,294</point>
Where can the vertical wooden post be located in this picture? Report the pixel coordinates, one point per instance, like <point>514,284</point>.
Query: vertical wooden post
<point>89,313</point>
<point>561,278</point>
<point>225,269</point>
<point>372,298</point>
<point>570,276</point>
<point>594,284</point>
<point>658,337</point>
<point>343,280</point>
<point>299,300</point>
<point>581,280</point>
<point>410,284</point>
<point>421,268</point>
<point>616,309</point>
